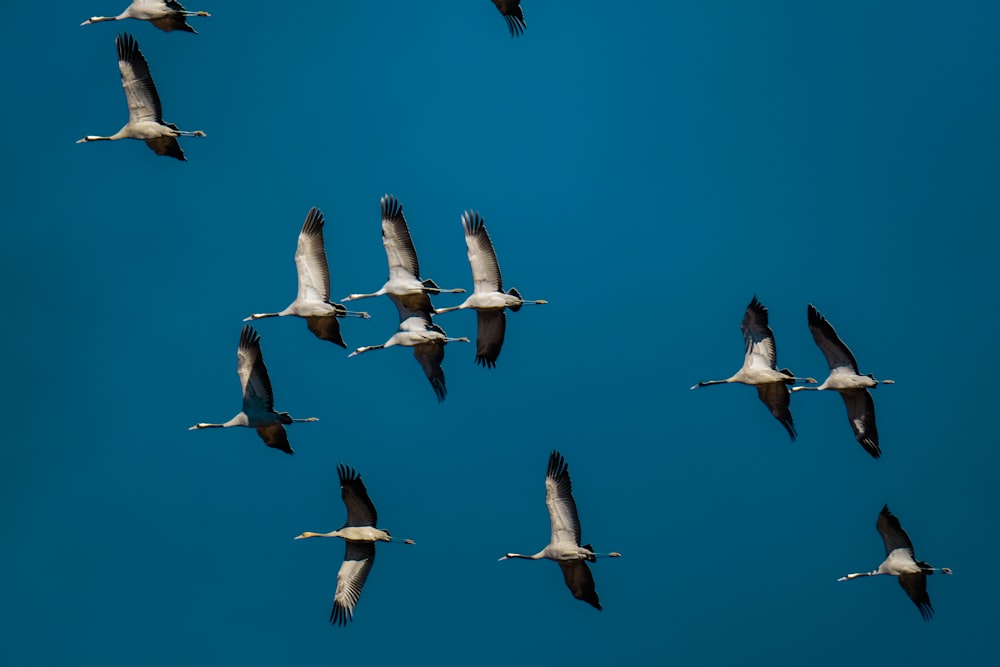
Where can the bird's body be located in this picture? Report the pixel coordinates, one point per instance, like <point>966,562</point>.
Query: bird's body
<point>167,15</point>
<point>360,534</point>
<point>258,400</point>
<point>404,269</point>
<point>145,117</point>
<point>901,562</point>
<point>564,544</point>
<point>513,15</point>
<point>760,367</point>
<point>417,330</point>
<point>312,302</point>
<point>487,298</point>
<point>847,380</point>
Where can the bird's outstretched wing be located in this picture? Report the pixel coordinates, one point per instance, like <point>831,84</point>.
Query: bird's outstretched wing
<point>915,586</point>
<point>513,15</point>
<point>838,356</point>
<point>861,414</point>
<point>893,535</point>
<point>360,508</point>
<point>274,435</point>
<point>492,327</point>
<point>257,396</point>
<point>396,239</point>
<point>482,258</point>
<point>358,560</point>
<point>761,351</point>
<point>580,581</point>
<point>140,91</point>
<point>560,502</point>
<point>778,399</point>
<point>310,260</point>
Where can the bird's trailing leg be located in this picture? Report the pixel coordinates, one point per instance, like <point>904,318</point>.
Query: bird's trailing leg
<point>463,339</point>
<point>185,133</point>
<point>307,419</point>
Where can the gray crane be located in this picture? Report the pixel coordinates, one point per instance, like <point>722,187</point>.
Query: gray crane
<point>145,115</point>
<point>760,367</point>
<point>564,545</point>
<point>258,399</point>
<point>488,298</point>
<point>312,302</point>
<point>360,535</point>
<point>901,563</point>
<point>847,380</point>
<point>427,339</point>
<point>167,15</point>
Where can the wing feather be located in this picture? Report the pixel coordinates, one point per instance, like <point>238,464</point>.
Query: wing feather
<point>778,399</point>
<point>396,239</point>
<point>893,535</point>
<point>761,350</point>
<point>838,355</point>
<point>310,260</point>
<point>257,395</point>
<point>915,586</point>
<point>861,414</point>
<point>274,435</point>
<point>490,332</point>
<point>580,581</point>
<point>482,258</point>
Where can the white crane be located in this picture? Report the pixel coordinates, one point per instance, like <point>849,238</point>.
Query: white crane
<point>145,117</point>
<point>360,535</point>
<point>258,399</point>
<point>488,298</point>
<point>564,545</point>
<point>845,379</point>
<point>900,562</point>
<point>760,367</point>
<point>427,339</point>
<point>167,15</point>
<point>404,269</point>
<point>312,302</point>
<point>513,15</point>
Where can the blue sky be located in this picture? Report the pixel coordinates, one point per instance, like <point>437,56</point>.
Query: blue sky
<point>647,169</point>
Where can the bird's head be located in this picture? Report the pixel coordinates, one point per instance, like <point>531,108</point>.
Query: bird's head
<point>945,570</point>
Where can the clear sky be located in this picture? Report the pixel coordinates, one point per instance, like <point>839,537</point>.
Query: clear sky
<point>647,168</point>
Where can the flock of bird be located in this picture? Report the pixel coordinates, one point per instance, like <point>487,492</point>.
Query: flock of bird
<point>411,295</point>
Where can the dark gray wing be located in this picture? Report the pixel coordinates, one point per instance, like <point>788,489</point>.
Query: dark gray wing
<point>326,328</point>
<point>489,336</point>
<point>358,560</point>
<point>893,535</point>
<point>257,394</point>
<point>430,356</point>
<point>837,354</point>
<point>360,508</point>
<point>274,435</point>
<point>760,348</point>
<point>915,586</point>
<point>778,399</point>
<point>513,15</point>
<point>861,414</point>
<point>396,239</point>
<point>580,581</point>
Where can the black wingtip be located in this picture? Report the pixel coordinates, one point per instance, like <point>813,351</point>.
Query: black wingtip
<point>391,208</point>
<point>557,465</point>
<point>347,474</point>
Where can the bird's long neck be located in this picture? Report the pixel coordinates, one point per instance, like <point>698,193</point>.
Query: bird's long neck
<point>539,555</point>
<point>855,575</point>
<point>260,316</point>
<point>438,311</point>
<point>709,383</point>
<point>332,533</point>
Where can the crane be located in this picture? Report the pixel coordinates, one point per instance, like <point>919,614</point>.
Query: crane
<point>312,302</point>
<point>167,15</point>
<point>145,116</point>
<point>427,339</point>
<point>564,545</point>
<point>488,298</point>
<point>258,399</point>
<point>845,379</point>
<point>900,562</point>
<point>404,269</point>
<point>360,535</point>
<point>760,367</point>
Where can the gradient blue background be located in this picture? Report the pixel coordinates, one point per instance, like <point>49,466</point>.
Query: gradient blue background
<point>647,168</point>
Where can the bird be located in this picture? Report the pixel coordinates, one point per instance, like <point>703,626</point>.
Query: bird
<point>564,546</point>
<point>145,116</point>
<point>488,298</point>
<point>167,15</point>
<point>258,399</point>
<point>404,269</point>
<point>900,562</point>
<point>760,367</point>
<point>360,535</point>
<point>312,302</point>
<point>513,15</point>
<point>845,379</point>
<point>427,339</point>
